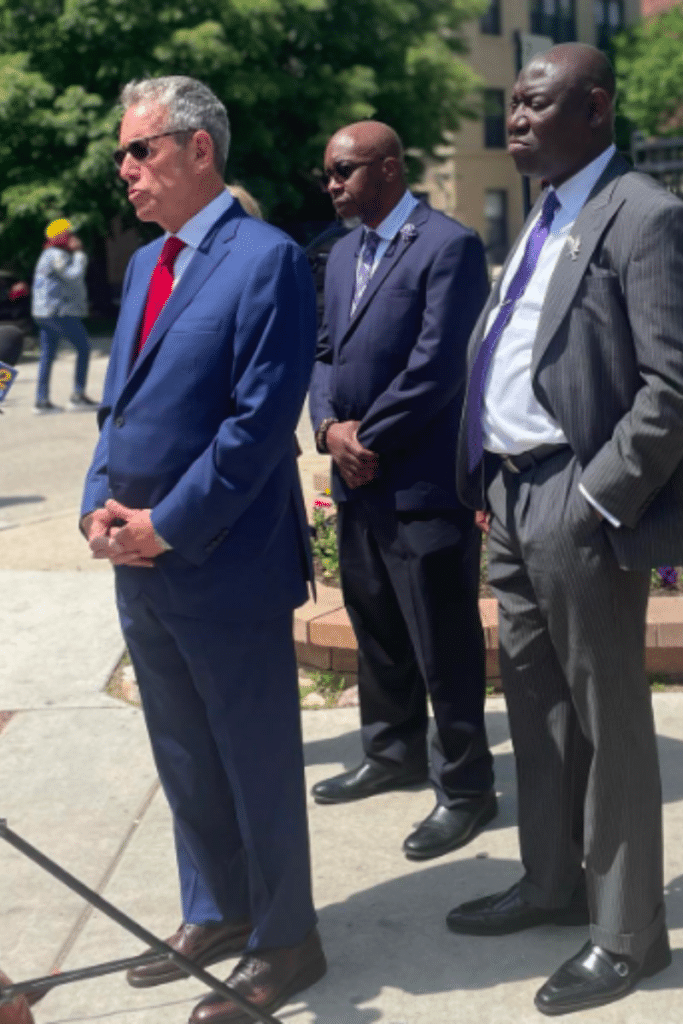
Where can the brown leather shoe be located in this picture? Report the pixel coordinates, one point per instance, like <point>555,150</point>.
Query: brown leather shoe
<point>203,944</point>
<point>268,979</point>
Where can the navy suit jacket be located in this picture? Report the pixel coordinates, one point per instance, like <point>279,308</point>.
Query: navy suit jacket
<point>200,427</point>
<point>398,365</point>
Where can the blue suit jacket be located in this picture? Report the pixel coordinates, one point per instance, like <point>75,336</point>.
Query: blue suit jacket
<point>200,427</point>
<point>398,365</point>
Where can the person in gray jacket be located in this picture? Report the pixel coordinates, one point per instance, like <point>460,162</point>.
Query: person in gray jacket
<point>59,303</point>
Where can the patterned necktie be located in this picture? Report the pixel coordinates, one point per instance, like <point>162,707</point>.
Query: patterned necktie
<point>484,356</point>
<point>160,286</point>
<point>364,268</point>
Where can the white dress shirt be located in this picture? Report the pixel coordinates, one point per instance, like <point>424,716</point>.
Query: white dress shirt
<point>513,420</point>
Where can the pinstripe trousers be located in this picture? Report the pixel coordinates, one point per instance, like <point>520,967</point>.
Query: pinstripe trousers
<point>572,651</point>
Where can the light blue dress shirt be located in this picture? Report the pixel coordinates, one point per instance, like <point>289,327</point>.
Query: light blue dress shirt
<point>391,225</point>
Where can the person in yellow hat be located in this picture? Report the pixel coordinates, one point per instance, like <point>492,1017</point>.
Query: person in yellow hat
<point>59,303</point>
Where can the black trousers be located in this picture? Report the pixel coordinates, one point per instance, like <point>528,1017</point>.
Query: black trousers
<point>410,584</point>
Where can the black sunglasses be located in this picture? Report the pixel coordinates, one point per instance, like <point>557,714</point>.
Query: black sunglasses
<point>342,170</point>
<point>139,148</point>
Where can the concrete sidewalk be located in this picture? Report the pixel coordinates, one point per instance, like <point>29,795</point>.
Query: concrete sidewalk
<point>78,782</point>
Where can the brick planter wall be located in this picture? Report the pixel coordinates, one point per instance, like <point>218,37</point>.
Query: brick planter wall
<point>325,640</point>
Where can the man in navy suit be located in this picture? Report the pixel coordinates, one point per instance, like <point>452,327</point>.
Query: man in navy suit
<point>402,294</point>
<point>193,494</point>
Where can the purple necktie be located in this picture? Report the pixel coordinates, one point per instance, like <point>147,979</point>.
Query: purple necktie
<point>364,268</point>
<point>516,288</point>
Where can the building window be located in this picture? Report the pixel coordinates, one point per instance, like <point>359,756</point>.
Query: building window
<point>490,22</point>
<point>494,119</point>
<point>554,18</point>
<point>496,220</point>
<point>609,19</point>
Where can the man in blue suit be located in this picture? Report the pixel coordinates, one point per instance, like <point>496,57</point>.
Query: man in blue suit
<point>193,494</point>
<point>402,294</point>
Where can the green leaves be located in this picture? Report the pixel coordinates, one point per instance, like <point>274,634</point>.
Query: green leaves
<point>289,71</point>
<point>649,63</point>
<point>21,90</point>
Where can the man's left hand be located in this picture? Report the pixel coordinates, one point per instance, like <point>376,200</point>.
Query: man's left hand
<point>134,543</point>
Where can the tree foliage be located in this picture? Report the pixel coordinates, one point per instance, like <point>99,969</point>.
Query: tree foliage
<point>649,64</point>
<point>289,71</point>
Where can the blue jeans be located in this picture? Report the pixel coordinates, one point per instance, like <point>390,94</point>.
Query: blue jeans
<point>52,328</point>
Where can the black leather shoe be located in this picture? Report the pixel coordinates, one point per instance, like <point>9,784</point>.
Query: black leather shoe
<point>447,828</point>
<point>595,977</point>
<point>203,944</point>
<point>367,779</point>
<point>507,912</point>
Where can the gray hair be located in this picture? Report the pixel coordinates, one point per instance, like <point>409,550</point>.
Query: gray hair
<point>191,106</point>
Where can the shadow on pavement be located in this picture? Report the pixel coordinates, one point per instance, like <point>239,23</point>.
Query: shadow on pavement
<point>394,936</point>
<point>345,750</point>
<point>21,499</point>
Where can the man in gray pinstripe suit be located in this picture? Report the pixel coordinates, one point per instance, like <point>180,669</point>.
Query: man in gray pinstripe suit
<point>571,442</point>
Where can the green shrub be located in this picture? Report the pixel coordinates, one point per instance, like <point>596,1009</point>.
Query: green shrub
<point>324,542</point>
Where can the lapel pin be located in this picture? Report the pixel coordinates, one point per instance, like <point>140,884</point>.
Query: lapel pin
<point>574,245</point>
<point>408,232</point>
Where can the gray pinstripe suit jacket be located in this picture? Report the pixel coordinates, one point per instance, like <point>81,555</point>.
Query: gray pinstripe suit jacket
<point>607,362</point>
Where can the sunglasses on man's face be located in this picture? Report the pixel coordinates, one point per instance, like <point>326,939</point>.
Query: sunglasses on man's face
<point>342,170</point>
<point>139,148</point>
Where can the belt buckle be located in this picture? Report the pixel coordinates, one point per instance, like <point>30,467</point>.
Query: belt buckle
<point>509,465</point>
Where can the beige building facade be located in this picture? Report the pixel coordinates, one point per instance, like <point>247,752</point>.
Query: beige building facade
<point>475,180</point>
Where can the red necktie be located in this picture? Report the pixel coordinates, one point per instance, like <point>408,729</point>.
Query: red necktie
<point>160,286</point>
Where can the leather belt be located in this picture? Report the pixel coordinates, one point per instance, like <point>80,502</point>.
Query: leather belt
<point>525,460</point>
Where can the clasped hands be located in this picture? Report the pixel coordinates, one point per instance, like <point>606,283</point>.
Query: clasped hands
<point>133,543</point>
<point>357,465</point>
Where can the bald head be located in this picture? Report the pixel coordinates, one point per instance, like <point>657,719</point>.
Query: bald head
<point>364,170</point>
<point>372,138</point>
<point>561,112</point>
<point>585,65</point>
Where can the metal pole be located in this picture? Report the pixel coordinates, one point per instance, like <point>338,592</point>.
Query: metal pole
<point>48,981</point>
<point>126,922</point>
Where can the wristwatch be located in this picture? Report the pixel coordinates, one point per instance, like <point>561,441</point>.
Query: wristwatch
<point>321,434</point>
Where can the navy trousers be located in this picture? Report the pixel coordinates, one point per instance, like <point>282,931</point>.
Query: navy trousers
<point>222,710</point>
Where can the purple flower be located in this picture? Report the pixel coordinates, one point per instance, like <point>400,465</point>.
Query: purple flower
<point>668,575</point>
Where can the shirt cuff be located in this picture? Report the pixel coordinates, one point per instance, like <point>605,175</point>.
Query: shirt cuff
<point>596,504</point>
<point>161,542</point>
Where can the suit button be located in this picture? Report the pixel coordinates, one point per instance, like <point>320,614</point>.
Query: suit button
<point>119,421</point>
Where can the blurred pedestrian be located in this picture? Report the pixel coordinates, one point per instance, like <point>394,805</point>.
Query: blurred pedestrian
<point>60,302</point>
